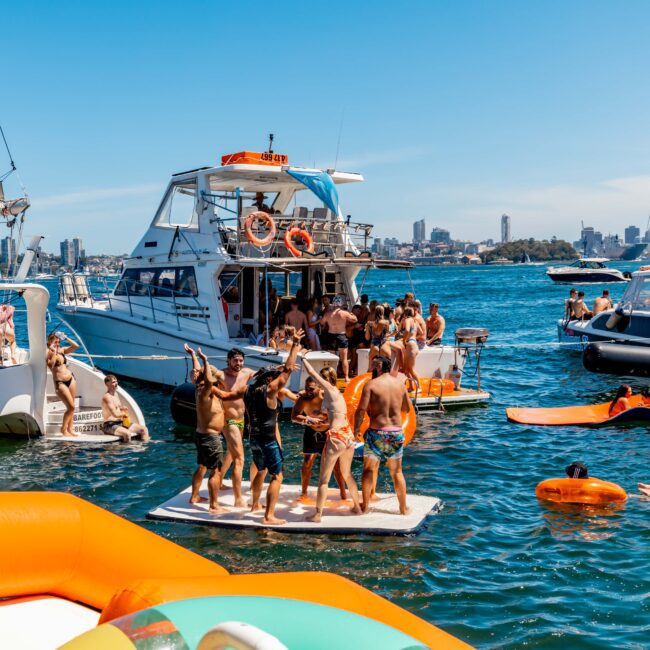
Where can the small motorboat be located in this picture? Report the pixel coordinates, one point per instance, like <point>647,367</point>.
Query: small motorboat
<point>587,270</point>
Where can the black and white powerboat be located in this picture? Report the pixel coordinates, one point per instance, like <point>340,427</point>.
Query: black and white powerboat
<point>587,270</point>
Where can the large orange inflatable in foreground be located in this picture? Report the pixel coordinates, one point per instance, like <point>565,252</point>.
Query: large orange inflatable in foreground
<point>590,491</point>
<point>352,396</point>
<point>57,545</point>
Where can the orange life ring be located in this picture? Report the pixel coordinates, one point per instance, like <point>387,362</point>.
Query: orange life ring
<point>264,218</point>
<point>304,235</point>
<point>352,396</point>
<point>591,491</point>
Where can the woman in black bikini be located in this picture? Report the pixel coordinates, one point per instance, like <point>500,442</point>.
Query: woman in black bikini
<point>65,385</point>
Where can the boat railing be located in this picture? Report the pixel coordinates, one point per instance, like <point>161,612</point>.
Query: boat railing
<point>175,305</point>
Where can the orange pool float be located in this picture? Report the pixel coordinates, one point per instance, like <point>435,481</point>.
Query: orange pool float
<point>352,396</point>
<point>590,491</point>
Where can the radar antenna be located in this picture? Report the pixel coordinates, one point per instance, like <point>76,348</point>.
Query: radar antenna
<point>270,143</point>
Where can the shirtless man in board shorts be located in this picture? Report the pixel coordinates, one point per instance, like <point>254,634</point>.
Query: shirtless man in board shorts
<point>336,320</point>
<point>114,414</point>
<point>209,425</point>
<point>308,411</point>
<point>235,378</point>
<point>383,397</point>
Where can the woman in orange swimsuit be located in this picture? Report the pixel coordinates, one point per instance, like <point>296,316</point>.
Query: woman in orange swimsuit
<point>621,402</point>
<point>340,440</point>
<point>65,385</point>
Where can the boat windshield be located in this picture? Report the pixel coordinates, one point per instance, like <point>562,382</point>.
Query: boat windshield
<point>178,208</point>
<point>637,294</point>
<point>589,264</point>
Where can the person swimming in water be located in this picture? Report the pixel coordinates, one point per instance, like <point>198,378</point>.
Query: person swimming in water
<point>621,402</point>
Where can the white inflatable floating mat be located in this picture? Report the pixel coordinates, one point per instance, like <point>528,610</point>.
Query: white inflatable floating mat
<point>94,438</point>
<point>383,517</point>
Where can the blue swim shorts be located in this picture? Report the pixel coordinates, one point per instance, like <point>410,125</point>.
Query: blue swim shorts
<point>383,444</point>
<point>267,455</point>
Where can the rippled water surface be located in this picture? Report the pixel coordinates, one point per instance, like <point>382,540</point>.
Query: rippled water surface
<point>495,568</point>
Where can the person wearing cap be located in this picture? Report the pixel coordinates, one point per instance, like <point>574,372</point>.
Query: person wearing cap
<point>263,403</point>
<point>337,319</point>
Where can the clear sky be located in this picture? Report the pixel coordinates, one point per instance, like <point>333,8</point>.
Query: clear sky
<point>454,111</point>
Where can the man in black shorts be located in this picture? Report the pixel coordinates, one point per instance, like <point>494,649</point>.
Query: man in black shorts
<point>337,319</point>
<point>307,411</point>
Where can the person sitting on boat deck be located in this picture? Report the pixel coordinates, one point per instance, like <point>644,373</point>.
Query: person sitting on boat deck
<point>603,303</point>
<point>568,304</point>
<point>307,410</point>
<point>421,334</point>
<point>383,398</point>
<point>284,338</point>
<point>577,469</point>
<point>435,325</point>
<point>116,416</point>
<point>263,404</point>
<point>8,330</point>
<point>580,311</point>
<point>236,376</point>
<point>337,320</point>
<point>296,318</point>
<point>621,402</point>
<point>260,204</point>
<point>209,426</point>
<point>340,440</point>
<point>65,385</point>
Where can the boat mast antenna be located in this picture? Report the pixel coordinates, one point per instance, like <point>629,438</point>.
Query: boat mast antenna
<point>270,143</point>
<point>11,160</point>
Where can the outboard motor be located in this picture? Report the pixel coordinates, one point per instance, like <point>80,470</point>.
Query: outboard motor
<point>183,405</point>
<point>617,359</point>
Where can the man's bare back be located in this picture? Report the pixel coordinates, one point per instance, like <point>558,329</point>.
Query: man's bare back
<point>387,395</point>
<point>296,319</point>
<point>337,320</point>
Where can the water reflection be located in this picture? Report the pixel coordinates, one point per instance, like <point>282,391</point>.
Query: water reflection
<point>581,521</point>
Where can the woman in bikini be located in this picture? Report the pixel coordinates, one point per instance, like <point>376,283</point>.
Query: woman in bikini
<point>65,385</point>
<point>340,440</point>
<point>621,402</point>
<point>408,345</point>
<point>376,332</point>
<point>8,330</point>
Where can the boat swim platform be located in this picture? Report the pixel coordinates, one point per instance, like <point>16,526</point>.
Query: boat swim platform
<point>382,518</point>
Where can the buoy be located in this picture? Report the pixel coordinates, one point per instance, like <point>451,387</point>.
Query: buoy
<point>265,219</point>
<point>304,235</point>
<point>590,491</point>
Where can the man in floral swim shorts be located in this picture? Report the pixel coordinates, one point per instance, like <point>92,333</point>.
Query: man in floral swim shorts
<point>383,398</point>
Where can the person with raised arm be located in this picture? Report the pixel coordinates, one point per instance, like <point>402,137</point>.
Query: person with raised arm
<point>209,426</point>
<point>65,385</point>
<point>263,403</point>
<point>340,440</point>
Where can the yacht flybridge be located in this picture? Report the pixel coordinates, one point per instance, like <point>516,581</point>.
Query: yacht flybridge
<point>227,245</point>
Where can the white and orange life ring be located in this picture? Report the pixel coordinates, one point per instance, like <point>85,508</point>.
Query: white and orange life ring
<point>294,231</point>
<point>266,219</point>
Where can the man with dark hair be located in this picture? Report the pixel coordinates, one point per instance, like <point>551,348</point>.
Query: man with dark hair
<point>383,398</point>
<point>236,377</point>
<point>263,404</point>
<point>577,469</point>
<point>435,325</point>
<point>337,319</point>
<point>603,303</point>
<point>295,317</point>
<point>116,416</point>
<point>580,311</point>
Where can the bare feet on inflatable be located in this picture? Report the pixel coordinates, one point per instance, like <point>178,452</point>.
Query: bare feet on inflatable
<point>364,507</point>
<point>274,521</point>
<point>343,495</point>
<point>68,434</point>
<point>217,510</point>
<point>356,510</point>
<point>241,503</point>
<point>644,488</point>
<point>198,499</point>
<point>315,518</point>
<point>256,507</point>
<point>405,511</point>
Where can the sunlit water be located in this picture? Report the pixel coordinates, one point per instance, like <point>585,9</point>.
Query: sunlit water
<point>496,567</point>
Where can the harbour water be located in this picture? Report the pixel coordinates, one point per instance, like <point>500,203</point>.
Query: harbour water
<point>496,568</point>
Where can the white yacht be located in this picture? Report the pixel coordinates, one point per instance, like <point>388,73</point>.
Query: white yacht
<point>586,270</point>
<point>29,406</point>
<point>220,235</point>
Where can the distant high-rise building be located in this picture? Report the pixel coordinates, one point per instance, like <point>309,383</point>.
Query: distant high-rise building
<point>79,252</point>
<point>505,229</point>
<point>7,252</point>
<point>67,253</point>
<point>419,231</point>
<point>632,233</point>
<point>440,236</point>
<point>591,241</point>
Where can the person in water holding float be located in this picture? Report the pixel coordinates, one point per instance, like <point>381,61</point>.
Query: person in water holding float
<point>340,440</point>
<point>621,402</point>
<point>383,398</point>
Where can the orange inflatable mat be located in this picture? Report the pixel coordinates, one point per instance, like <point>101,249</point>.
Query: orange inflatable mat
<point>63,546</point>
<point>592,414</point>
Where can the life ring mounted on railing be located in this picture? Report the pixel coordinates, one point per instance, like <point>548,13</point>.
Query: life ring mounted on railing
<point>267,220</point>
<point>295,231</point>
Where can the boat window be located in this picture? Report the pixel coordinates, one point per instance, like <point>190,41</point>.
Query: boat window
<point>158,282</point>
<point>178,207</point>
<point>229,286</point>
<point>643,297</point>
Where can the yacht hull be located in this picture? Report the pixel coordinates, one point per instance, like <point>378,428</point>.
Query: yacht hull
<point>579,278</point>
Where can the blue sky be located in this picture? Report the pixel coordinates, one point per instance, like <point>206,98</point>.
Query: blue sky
<point>453,111</point>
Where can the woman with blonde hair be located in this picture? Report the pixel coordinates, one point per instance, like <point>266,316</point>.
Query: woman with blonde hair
<point>65,385</point>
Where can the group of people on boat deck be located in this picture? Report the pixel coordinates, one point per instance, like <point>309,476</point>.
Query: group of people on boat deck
<point>576,309</point>
<point>242,404</point>
<point>398,332</point>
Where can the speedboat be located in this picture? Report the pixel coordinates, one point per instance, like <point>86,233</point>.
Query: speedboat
<point>198,275</point>
<point>586,270</point>
<point>29,405</point>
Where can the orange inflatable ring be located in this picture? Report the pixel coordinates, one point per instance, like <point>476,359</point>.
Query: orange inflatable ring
<point>590,491</point>
<point>266,219</point>
<point>304,235</point>
<point>352,397</point>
